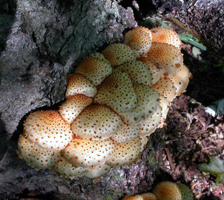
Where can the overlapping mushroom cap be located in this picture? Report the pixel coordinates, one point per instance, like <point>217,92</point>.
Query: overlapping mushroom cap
<point>87,153</point>
<point>48,130</point>
<point>139,39</point>
<point>36,156</point>
<point>95,67</point>
<point>97,122</point>
<point>113,101</point>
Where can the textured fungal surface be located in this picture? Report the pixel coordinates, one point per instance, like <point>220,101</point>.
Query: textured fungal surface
<point>167,36</point>
<point>48,130</point>
<point>139,39</point>
<point>37,156</point>
<point>114,100</point>
<point>96,68</point>
<point>117,92</point>
<point>118,54</point>
<point>166,57</point>
<point>97,122</point>
<point>73,106</point>
<point>79,84</point>
<point>86,153</point>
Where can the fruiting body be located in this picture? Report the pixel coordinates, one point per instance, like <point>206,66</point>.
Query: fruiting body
<point>48,130</point>
<point>139,39</point>
<point>167,36</point>
<point>113,101</point>
<point>78,84</point>
<point>36,156</point>
<point>87,153</point>
<point>94,67</point>
<point>96,122</point>
<point>167,190</point>
<point>73,106</point>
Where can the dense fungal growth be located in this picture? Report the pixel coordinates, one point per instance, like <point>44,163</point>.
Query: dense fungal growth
<point>113,101</point>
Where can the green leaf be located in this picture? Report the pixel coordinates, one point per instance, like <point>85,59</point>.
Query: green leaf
<point>215,167</point>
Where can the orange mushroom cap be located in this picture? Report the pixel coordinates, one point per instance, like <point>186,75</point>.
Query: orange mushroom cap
<point>94,68</point>
<point>48,130</point>
<point>87,153</point>
<point>147,104</point>
<point>117,92</point>
<point>96,122</point>
<point>167,190</point>
<point>36,156</point>
<point>137,71</point>
<point>78,84</point>
<point>126,133</point>
<point>118,54</point>
<point>166,57</point>
<point>127,153</point>
<point>135,197</point>
<point>97,171</point>
<point>165,35</point>
<point>157,119</point>
<point>181,79</point>
<point>73,106</point>
<point>148,196</point>
<point>155,71</point>
<point>166,88</point>
<point>139,39</point>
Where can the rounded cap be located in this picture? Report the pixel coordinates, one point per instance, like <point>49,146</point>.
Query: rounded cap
<point>94,68</point>
<point>127,153</point>
<point>87,153</point>
<point>139,39</point>
<point>48,129</point>
<point>167,190</point>
<point>166,88</point>
<point>137,71</point>
<point>117,92</point>
<point>73,106</point>
<point>157,119</point>
<point>135,197</point>
<point>165,35</point>
<point>96,122</point>
<point>147,104</point>
<point>36,156</point>
<point>100,57</point>
<point>181,79</point>
<point>118,54</point>
<point>64,168</point>
<point>155,71</point>
<point>166,57</point>
<point>152,123</point>
<point>126,133</point>
<point>148,196</point>
<point>78,84</point>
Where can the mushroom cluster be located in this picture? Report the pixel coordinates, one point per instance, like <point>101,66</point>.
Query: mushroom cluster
<point>113,101</point>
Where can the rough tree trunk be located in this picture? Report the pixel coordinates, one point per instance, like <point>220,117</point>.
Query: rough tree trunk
<point>40,43</point>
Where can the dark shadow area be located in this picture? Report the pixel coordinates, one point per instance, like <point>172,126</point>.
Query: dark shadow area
<point>7,16</point>
<point>141,8</point>
<point>3,140</point>
<point>207,84</point>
